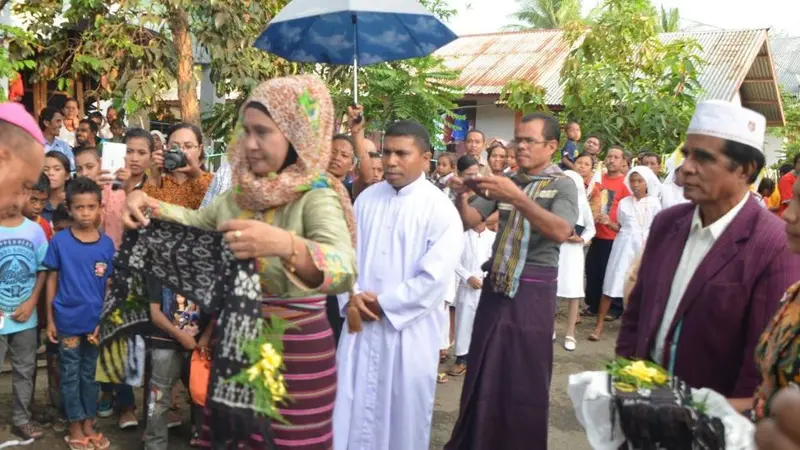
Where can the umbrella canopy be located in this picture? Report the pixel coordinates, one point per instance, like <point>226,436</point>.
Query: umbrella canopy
<point>347,31</point>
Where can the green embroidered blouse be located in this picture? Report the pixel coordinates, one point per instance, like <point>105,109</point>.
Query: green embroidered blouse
<point>317,216</point>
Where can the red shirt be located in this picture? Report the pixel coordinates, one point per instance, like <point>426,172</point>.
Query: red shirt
<point>48,230</point>
<point>785,185</point>
<point>612,190</point>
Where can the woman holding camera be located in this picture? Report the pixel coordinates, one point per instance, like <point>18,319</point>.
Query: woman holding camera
<point>176,175</point>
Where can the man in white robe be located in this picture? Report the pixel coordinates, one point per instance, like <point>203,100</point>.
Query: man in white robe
<point>410,238</point>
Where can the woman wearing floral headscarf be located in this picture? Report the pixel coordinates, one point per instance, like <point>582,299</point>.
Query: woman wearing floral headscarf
<point>297,222</point>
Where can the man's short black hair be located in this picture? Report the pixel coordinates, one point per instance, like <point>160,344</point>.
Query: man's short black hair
<point>61,214</point>
<point>140,133</point>
<point>81,150</point>
<point>475,130</point>
<point>96,115</point>
<point>344,137</point>
<point>647,154</point>
<point>628,157</point>
<point>465,162</point>
<point>43,185</point>
<point>785,168</point>
<point>409,128</point>
<point>796,158</point>
<point>742,155</point>
<point>83,185</point>
<point>92,125</point>
<point>595,136</point>
<point>766,184</point>
<point>572,122</point>
<point>551,131</point>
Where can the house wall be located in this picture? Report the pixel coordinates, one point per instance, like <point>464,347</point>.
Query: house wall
<point>493,120</point>
<point>773,149</point>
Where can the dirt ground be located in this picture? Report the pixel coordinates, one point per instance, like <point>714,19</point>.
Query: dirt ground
<point>565,432</point>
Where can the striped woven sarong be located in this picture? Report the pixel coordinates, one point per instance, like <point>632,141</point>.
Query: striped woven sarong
<point>310,359</point>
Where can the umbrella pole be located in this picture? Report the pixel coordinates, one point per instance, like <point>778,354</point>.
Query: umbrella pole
<point>355,60</point>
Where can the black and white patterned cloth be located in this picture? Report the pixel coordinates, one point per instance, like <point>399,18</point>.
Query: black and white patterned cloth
<point>197,264</point>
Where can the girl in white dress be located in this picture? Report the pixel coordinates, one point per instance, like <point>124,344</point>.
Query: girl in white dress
<point>571,260</point>
<point>635,215</point>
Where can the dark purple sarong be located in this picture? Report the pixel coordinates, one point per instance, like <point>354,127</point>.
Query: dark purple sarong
<point>506,397</point>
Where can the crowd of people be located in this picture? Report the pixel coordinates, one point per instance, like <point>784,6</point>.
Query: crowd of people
<point>382,266</point>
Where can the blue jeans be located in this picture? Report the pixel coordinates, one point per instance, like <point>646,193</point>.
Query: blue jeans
<point>79,389</point>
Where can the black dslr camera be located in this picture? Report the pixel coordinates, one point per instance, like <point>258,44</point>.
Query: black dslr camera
<point>174,158</point>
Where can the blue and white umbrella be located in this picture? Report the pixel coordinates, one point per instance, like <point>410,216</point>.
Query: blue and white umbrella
<point>354,32</point>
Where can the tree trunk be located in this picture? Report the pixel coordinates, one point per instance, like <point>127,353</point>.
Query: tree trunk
<point>187,85</point>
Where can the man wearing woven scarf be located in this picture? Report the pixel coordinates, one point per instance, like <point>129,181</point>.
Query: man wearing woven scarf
<point>506,393</point>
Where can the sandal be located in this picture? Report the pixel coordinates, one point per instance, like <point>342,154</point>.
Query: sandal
<point>457,370</point>
<point>594,337</point>
<point>99,442</point>
<point>441,378</point>
<point>29,430</point>
<point>570,343</point>
<point>195,440</point>
<point>79,444</point>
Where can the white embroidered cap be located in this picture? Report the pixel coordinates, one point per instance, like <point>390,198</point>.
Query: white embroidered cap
<point>718,118</point>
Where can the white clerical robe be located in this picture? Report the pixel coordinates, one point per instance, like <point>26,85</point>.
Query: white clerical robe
<point>408,245</point>
<point>477,250</point>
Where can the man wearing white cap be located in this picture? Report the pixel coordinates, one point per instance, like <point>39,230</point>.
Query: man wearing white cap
<point>714,270</point>
<point>21,153</point>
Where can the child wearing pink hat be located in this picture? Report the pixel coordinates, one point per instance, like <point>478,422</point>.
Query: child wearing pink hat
<point>21,152</point>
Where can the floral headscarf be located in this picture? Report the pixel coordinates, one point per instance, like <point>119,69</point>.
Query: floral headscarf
<point>301,107</point>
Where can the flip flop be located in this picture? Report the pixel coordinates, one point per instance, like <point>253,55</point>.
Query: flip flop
<point>441,378</point>
<point>99,442</point>
<point>79,444</point>
<point>594,337</point>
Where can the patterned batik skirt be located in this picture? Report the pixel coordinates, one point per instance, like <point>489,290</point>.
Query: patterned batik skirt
<point>310,373</point>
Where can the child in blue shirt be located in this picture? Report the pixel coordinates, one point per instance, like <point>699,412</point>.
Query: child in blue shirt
<point>23,245</point>
<point>80,259</point>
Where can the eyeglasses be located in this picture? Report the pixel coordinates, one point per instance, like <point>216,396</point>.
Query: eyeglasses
<point>529,141</point>
<point>186,146</point>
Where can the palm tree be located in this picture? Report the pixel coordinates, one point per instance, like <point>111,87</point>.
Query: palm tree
<point>669,20</point>
<point>545,14</point>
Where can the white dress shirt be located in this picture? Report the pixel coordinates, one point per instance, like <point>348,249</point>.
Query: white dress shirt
<point>697,247</point>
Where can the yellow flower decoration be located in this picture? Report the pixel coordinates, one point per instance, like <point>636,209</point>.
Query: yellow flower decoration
<point>116,317</point>
<point>643,373</point>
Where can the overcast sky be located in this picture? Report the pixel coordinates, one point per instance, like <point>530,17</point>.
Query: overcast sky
<point>485,16</point>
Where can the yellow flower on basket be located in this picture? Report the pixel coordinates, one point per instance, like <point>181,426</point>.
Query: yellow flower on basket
<point>253,372</point>
<point>271,360</point>
<point>644,373</point>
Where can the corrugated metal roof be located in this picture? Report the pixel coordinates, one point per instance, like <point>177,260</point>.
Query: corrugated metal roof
<point>727,57</point>
<point>488,61</point>
<point>786,54</point>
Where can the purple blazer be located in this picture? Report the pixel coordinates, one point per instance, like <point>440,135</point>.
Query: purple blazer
<point>729,301</point>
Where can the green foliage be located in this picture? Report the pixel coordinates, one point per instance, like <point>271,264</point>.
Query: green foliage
<point>545,14</point>
<point>16,53</point>
<point>520,95</point>
<point>127,45</point>
<point>622,82</point>
<point>791,131</point>
<point>669,20</point>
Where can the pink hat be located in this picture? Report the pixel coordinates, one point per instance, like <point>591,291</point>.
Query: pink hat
<point>15,114</point>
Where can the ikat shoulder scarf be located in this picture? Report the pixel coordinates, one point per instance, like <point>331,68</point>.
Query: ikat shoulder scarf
<point>512,248</point>
<point>198,265</point>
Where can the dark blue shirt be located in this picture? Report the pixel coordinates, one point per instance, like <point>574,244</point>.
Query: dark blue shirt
<point>83,268</point>
<point>570,150</point>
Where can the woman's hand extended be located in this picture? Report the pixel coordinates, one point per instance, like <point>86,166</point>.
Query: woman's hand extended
<point>136,203</point>
<point>255,239</point>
